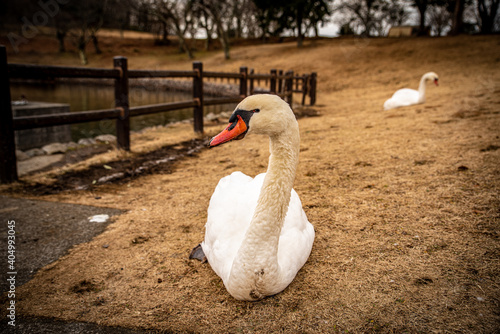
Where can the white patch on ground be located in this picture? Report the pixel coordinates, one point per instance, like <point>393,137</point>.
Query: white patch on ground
<point>99,219</point>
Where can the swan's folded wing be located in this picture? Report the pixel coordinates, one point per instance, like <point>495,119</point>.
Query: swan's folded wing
<point>401,98</point>
<point>296,239</point>
<point>229,214</point>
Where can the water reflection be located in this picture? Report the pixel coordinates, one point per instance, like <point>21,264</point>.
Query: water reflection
<point>82,97</point>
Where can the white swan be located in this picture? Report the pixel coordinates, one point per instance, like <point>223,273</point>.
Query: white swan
<point>257,234</point>
<point>407,97</point>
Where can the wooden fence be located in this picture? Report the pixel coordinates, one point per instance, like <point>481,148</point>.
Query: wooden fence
<point>281,83</point>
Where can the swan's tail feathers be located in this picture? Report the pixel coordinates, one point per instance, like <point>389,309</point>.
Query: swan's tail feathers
<point>388,104</point>
<point>198,254</point>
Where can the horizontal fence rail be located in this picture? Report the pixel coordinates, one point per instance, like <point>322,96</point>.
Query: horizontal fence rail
<point>161,74</point>
<point>221,100</point>
<point>156,108</point>
<point>284,84</point>
<point>25,71</point>
<point>40,121</point>
<point>222,75</point>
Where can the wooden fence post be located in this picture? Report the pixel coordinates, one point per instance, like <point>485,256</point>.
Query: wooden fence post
<point>8,167</point>
<point>312,88</point>
<point>198,96</point>
<point>272,82</point>
<point>305,87</point>
<point>122,103</point>
<point>243,81</point>
<point>289,87</point>
<point>252,82</point>
<point>280,81</point>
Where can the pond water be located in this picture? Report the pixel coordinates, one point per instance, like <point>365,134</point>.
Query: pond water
<point>83,97</point>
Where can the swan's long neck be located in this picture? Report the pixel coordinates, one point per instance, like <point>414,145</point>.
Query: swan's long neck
<point>256,261</point>
<point>421,90</point>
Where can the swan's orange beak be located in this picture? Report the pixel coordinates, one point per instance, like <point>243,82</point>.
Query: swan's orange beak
<point>235,130</point>
<point>436,82</point>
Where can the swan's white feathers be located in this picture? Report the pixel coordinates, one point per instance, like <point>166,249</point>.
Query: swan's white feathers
<point>230,211</point>
<point>296,238</point>
<point>402,98</point>
<point>407,97</point>
<point>257,235</point>
<point>229,214</point>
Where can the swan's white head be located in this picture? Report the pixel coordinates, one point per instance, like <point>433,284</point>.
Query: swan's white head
<point>262,114</point>
<point>431,76</point>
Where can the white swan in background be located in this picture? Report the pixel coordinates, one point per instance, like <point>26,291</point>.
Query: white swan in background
<point>407,97</point>
<point>257,234</point>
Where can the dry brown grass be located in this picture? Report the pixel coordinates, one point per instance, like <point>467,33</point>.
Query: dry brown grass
<point>404,203</point>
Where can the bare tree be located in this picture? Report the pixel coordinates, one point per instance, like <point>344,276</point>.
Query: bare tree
<point>267,13</point>
<point>458,17</point>
<point>62,24</point>
<point>179,16</point>
<point>220,14</point>
<point>319,15</point>
<point>206,23</point>
<point>249,19</point>
<point>422,8</point>
<point>488,11</point>
<point>397,13</point>
<point>295,16</point>
<point>366,17</point>
<point>242,18</point>
<point>306,14</point>
<point>87,18</point>
<point>439,19</point>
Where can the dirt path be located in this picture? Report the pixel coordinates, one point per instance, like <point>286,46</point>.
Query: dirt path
<point>404,203</point>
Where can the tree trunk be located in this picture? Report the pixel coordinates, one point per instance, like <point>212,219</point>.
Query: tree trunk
<point>81,50</point>
<point>60,37</point>
<point>300,37</point>
<point>188,51</point>
<point>184,47</point>
<point>457,26</point>
<point>96,44</point>
<point>208,41</point>
<point>422,8</point>
<point>225,46</point>
<point>208,30</point>
<point>83,57</point>
<point>487,15</point>
<point>164,32</point>
<point>214,12</point>
<point>223,40</point>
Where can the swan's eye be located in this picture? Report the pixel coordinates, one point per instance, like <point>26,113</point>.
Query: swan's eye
<point>255,110</point>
